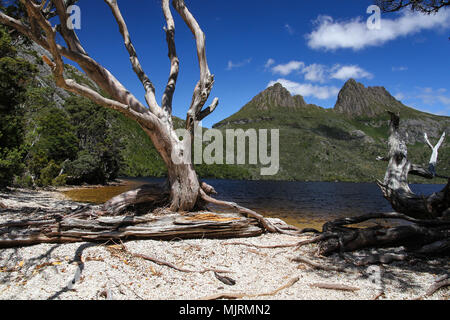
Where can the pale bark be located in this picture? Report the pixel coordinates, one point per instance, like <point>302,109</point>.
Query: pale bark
<point>395,186</point>
<point>183,191</point>
<point>155,120</point>
<point>101,229</point>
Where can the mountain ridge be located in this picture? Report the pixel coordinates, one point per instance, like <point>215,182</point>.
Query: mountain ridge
<point>339,143</point>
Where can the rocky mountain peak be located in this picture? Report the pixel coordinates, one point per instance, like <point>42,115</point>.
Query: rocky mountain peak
<point>276,96</point>
<point>355,99</point>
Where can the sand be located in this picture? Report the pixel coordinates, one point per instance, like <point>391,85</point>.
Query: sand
<point>104,271</point>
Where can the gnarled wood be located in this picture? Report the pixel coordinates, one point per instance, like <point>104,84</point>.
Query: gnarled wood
<point>395,186</point>
<point>149,226</point>
<point>155,120</point>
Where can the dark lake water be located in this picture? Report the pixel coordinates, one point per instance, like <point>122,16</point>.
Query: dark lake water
<point>299,203</point>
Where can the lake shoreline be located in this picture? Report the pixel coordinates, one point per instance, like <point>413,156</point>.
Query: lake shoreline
<point>107,273</point>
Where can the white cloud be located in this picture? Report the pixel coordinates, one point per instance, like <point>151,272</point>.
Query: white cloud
<point>269,63</point>
<point>307,89</point>
<point>319,72</point>
<point>285,69</point>
<point>355,34</point>
<point>315,72</point>
<point>347,72</point>
<point>231,65</point>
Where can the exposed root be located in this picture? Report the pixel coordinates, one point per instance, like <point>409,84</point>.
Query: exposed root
<point>160,262</point>
<point>333,286</point>
<point>314,240</point>
<point>316,265</point>
<point>436,286</point>
<point>242,295</point>
<point>421,237</point>
<point>260,246</point>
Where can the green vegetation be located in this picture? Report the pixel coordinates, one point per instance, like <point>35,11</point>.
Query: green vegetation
<point>319,144</point>
<point>51,137</point>
<point>14,75</point>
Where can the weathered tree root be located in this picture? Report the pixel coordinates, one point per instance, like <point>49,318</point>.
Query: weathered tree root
<point>160,262</point>
<point>422,237</point>
<point>333,286</point>
<point>250,295</point>
<point>319,266</point>
<point>435,287</point>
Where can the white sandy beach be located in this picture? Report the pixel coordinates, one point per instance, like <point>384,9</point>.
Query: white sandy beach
<point>104,271</point>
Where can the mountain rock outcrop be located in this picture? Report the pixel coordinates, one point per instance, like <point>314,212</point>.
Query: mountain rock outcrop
<point>276,96</point>
<point>354,99</point>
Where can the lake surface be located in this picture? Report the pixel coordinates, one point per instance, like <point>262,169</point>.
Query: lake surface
<point>304,204</point>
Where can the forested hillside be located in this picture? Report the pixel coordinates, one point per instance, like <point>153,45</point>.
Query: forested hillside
<point>51,137</point>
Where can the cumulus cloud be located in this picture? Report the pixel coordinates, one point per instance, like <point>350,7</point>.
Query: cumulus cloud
<point>285,69</point>
<point>315,72</point>
<point>232,65</point>
<point>307,89</point>
<point>319,72</point>
<point>347,72</point>
<point>354,34</point>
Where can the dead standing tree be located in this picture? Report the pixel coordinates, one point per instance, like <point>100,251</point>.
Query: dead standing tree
<point>183,192</point>
<point>428,231</point>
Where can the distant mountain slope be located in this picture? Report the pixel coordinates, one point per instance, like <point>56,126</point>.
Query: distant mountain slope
<point>315,143</point>
<point>340,143</point>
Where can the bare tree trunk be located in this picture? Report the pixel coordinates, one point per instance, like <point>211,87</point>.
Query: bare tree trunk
<point>395,186</point>
<point>428,231</point>
<point>182,191</point>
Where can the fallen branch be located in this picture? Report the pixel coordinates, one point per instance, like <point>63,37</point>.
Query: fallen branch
<point>261,246</point>
<point>333,286</point>
<point>436,286</point>
<point>72,228</point>
<point>167,264</point>
<point>242,295</point>
<point>316,265</point>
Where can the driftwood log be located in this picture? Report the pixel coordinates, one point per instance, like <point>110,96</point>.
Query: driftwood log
<point>87,226</point>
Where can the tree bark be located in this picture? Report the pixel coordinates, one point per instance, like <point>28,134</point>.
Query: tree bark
<point>395,186</point>
<point>428,231</point>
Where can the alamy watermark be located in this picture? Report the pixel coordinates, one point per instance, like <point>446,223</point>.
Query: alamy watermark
<point>374,21</point>
<point>74,20</point>
<point>209,146</point>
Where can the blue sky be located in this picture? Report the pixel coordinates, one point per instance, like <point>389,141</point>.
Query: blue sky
<point>311,47</point>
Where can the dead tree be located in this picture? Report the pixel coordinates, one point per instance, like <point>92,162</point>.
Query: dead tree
<point>183,192</point>
<point>395,186</point>
<point>428,228</point>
